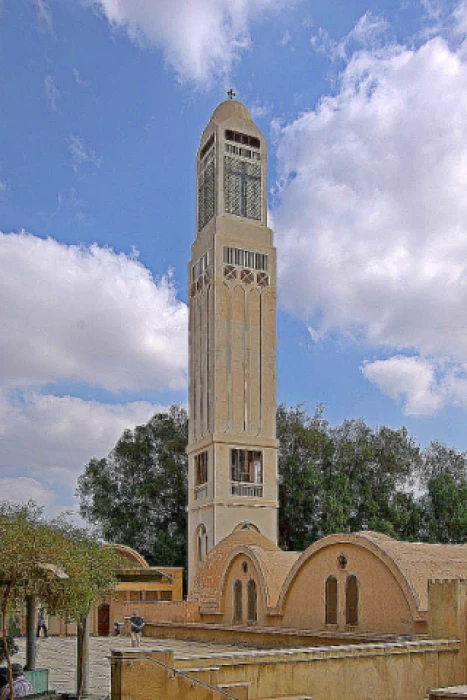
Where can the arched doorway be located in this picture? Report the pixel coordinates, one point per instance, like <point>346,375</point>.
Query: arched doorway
<point>103,620</point>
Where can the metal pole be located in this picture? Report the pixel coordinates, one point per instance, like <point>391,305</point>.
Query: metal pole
<point>31,641</point>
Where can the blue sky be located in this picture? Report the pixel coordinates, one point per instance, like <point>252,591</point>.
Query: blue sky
<point>103,103</point>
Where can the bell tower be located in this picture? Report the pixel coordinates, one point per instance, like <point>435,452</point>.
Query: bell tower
<point>232,451</point>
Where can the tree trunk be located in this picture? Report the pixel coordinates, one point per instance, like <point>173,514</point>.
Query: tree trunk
<point>6,595</point>
<point>82,637</point>
<point>31,643</point>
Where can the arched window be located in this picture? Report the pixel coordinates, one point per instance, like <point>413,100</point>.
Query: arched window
<point>252,601</point>
<point>351,604</point>
<point>237,602</point>
<point>201,543</point>
<point>331,600</point>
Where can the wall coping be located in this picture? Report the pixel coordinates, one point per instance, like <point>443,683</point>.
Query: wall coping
<point>321,653</point>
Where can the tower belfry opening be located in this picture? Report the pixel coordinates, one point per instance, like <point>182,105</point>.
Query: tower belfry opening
<point>232,447</point>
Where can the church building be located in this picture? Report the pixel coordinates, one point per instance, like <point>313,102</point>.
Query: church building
<point>358,616</point>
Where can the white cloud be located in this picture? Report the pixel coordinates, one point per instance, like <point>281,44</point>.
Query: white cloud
<point>425,384</point>
<point>366,34</point>
<point>80,154</point>
<point>3,186</point>
<point>51,91</point>
<point>87,314</point>
<point>23,489</point>
<point>47,440</point>
<point>460,17</point>
<point>259,111</point>
<point>53,437</point>
<point>201,39</point>
<point>412,378</point>
<point>371,221</point>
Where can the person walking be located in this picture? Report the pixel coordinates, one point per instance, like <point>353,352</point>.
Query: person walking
<point>136,628</point>
<point>41,624</point>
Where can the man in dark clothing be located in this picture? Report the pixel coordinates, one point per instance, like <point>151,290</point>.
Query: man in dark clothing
<point>41,623</point>
<point>136,628</point>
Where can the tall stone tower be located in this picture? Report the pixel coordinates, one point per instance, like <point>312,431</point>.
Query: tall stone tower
<point>232,451</point>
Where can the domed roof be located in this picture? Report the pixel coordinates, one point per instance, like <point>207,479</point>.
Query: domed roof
<point>230,108</point>
<point>206,583</point>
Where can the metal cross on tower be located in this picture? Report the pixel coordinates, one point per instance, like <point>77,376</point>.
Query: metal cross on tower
<point>231,94</point>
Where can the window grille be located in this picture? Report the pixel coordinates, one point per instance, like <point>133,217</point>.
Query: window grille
<point>242,152</point>
<point>206,193</point>
<point>246,466</point>
<point>242,188</point>
<point>206,147</point>
<point>245,258</point>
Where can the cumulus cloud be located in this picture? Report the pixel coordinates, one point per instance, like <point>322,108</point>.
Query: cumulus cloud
<point>201,39</point>
<point>53,437</point>
<point>87,314</point>
<point>47,440</point>
<point>412,378</point>
<point>424,384</point>
<point>371,219</point>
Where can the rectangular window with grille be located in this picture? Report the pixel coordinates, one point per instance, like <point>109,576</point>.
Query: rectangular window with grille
<point>206,193</point>
<point>242,188</point>
<point>247,466</point>
<point>245,258</point>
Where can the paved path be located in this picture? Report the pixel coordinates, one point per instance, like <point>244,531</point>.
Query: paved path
<point>58,654</point>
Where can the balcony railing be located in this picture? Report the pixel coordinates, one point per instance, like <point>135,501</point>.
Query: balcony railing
<point>239,488</point>
<point>201,491</point>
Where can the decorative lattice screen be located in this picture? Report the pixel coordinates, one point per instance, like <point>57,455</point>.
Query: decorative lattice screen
<point>206,194</point>
<point>242,188</point>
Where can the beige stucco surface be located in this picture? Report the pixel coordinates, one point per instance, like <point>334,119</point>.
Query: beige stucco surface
<point>232,343</point>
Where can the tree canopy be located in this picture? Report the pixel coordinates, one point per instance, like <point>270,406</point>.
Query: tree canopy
<point>61,565</point>
<point>344,478</point>
<point>137,494</point>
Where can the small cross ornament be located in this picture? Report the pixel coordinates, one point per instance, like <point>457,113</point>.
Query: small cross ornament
<point>231,94</point>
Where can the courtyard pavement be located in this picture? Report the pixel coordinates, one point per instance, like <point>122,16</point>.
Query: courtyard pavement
<point>58,654</point>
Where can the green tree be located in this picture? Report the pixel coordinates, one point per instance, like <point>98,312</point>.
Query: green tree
<point>137,495</point>
<point>59,564</point>
<point>28,547</point>
<point>443,474</point>
<point>91,577</point>
<point>331,479</point>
